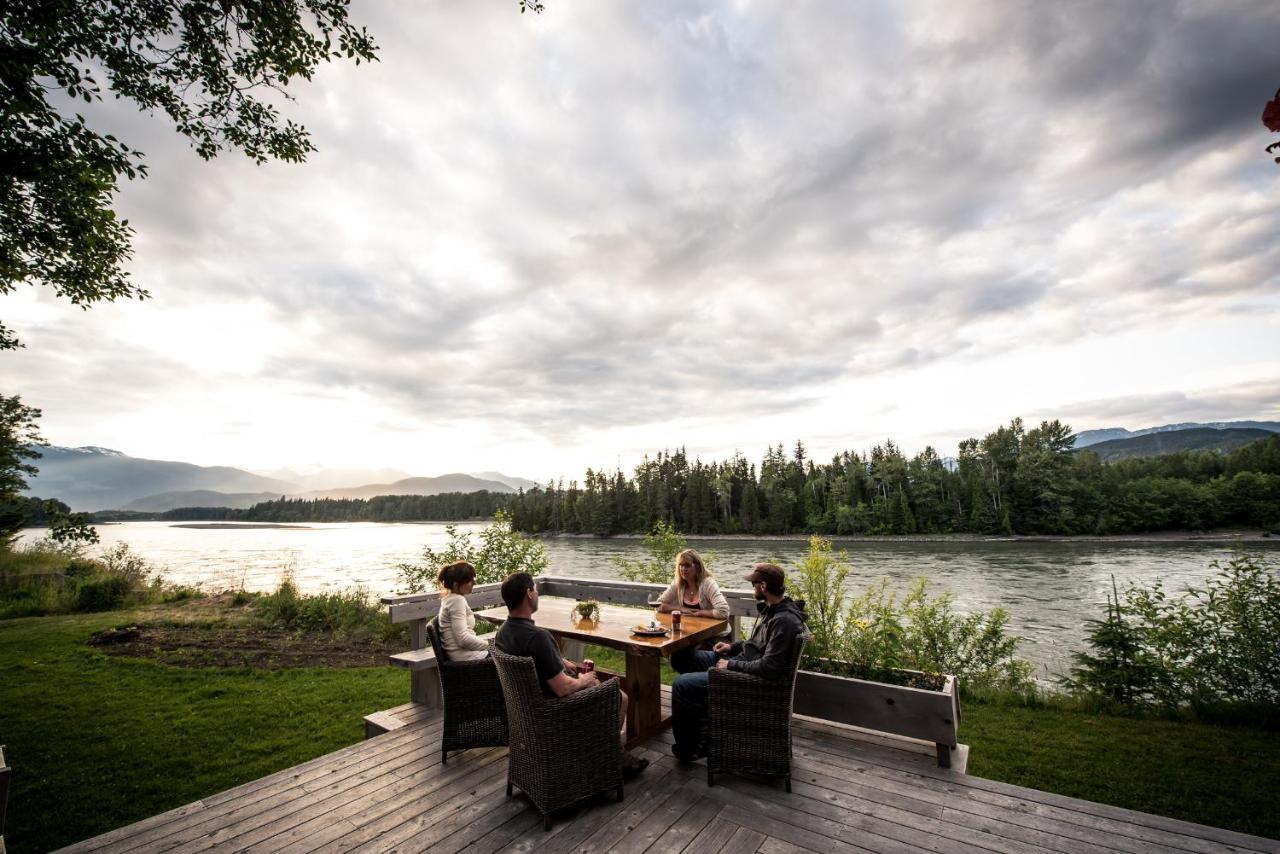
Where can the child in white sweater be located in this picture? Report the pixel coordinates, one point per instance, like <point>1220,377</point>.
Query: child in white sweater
<point>456,622</point>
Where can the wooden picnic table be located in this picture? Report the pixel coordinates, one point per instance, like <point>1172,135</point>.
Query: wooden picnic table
<point>643,679</point>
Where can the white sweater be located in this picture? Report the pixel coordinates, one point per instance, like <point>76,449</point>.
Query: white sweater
<point>708,594</point>
<point>458,630</point>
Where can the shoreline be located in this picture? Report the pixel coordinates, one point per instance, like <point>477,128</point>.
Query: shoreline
<point>1158,537</point>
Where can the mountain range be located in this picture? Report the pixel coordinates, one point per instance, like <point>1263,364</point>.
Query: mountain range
<point>1085,438</point>
<point>1221,440</point>
<point>93,478</point>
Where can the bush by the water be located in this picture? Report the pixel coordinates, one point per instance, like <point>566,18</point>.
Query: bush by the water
<point>877,633</point>
<point>1213,646</point>
<point>50,577</point>
<point>349,614</point>
<point>501,552</point>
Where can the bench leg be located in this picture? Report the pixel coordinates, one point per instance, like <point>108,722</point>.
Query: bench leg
<point>426,688</point>
<point>944,755</point>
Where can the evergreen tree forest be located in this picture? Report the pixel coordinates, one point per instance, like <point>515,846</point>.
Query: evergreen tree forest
<point>1012,481</point>
<point>445,507</point>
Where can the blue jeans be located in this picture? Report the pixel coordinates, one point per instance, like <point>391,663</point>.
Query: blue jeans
<point>689,697</point>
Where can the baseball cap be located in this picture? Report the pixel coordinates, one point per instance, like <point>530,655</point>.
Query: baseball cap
<point>772,575</point>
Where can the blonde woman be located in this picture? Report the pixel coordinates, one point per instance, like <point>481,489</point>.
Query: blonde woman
<point>456,622</point>
<point>693,593</point>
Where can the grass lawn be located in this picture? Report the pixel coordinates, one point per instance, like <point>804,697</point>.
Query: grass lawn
<point>98,741</point>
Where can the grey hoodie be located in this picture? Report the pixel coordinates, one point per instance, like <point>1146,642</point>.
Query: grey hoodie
<point>767,653</point>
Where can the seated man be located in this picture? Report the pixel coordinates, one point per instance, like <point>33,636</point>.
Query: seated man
<point>765,655</point>
<point>558,676</point>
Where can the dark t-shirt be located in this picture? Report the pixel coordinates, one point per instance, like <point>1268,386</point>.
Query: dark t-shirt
<point>519,636</point>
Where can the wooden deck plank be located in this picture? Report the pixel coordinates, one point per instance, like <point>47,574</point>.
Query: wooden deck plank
<point>714,836</point>
<point>658,822</point>
<point>691,824</point>
<point>314,827</point>
<point>1116,815</point>
<point>252,806</point>
<point>852,792</point>
<point>524,823</point>
<point>341,798</point>
<point>743,841</point>
<point>1122,835</point>
<point>422,802</point>
<point>919,831</point>
<point>777,846</point>
<point>565,835</point>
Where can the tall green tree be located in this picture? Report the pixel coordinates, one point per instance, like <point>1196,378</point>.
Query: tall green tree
<point>18,436</point>
<point>206,64</point>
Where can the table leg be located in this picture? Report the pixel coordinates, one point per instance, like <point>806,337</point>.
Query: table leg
<point>643,684</point>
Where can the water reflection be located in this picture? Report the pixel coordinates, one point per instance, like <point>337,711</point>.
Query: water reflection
<point>1049,589</point>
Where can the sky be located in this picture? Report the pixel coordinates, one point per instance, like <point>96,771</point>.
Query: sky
<point>537,243</point>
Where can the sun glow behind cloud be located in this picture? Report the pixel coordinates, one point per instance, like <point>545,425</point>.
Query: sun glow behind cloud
<point>541,243</point>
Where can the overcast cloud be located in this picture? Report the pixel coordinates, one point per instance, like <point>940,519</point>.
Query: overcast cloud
<point>538,243</point>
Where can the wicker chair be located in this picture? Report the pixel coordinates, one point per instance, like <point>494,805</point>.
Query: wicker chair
<point>475,714</point>
<point>749,721</point>
<point>562,750</point>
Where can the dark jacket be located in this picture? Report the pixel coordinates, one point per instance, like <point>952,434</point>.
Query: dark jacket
<point>767,653</point>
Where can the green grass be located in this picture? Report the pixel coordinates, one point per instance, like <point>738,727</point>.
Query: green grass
<point>97,741</point>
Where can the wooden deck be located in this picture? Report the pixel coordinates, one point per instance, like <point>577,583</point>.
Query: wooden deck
<point>853,792</point>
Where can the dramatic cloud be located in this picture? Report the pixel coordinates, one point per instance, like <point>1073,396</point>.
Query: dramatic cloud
<point>547,242</point>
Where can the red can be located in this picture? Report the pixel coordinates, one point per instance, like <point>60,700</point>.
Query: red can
<point>675,621</point>
<point>587,665</point>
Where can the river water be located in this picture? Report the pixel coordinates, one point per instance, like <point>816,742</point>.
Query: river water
<point>1049,588</point>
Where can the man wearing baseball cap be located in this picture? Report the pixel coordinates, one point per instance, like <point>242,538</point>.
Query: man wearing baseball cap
<point>766,654</point>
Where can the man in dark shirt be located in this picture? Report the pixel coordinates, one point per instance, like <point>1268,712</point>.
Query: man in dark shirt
<point>766,654</point>
<point>558,676</point>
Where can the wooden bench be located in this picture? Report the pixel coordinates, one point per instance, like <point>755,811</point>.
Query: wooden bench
<point>420,660</point>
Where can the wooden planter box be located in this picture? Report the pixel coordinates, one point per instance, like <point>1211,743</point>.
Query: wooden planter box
<point>911,712</point>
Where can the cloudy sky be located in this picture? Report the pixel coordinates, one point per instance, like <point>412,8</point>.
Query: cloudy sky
<point>541,243</point>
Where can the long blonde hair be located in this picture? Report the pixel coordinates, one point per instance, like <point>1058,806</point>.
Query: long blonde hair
<point>699,569</point>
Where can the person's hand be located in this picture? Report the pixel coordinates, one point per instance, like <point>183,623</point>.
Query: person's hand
<point>722,664</point>
<point>589,679</point>
<point>721,648</point>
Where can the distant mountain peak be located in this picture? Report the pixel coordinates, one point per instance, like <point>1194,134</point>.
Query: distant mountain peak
<point>1086,438</point>
<point>84,449</point>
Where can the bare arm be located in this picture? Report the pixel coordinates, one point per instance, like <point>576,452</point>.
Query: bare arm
<point>563,684</point>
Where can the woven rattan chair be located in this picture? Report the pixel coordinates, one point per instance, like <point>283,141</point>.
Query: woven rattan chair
<point>562,750</point>
<point>475,714</point>
<point>749,721</point>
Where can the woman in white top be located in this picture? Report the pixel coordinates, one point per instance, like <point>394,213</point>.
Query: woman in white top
<point>456,622</point>
<point>693,593</point>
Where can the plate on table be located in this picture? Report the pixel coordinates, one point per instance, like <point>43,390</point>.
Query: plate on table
<point>650,631</point>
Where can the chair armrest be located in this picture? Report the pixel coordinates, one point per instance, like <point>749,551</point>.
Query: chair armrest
<point>731,683</point>
<point>584,711</point>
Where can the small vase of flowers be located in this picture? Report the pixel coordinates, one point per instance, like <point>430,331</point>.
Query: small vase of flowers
<point>588,610</point>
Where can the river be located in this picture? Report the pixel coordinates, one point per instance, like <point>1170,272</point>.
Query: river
<point>1049,588</point>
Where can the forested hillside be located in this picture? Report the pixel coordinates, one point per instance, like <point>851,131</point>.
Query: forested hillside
<point>1013,480</point>
<point>445,507</point>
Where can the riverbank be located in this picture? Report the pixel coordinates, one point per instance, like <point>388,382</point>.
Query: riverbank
<point>173,733</point>
<point>1223,537</point>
